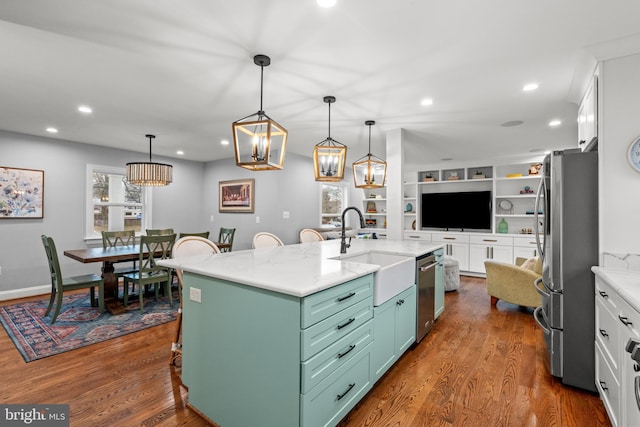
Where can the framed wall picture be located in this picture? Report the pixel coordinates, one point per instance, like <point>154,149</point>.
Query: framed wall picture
<point>236,196</point>
<point>21,193</point>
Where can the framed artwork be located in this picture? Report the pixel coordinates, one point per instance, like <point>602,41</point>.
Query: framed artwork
<point>21,193</point>
<point>236,195</point>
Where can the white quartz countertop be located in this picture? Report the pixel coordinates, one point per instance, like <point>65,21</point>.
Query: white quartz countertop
<point>625,283</point>
<point>297,270</point>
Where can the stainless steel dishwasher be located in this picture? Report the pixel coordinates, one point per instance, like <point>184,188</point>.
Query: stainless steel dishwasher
<point>426,281</point>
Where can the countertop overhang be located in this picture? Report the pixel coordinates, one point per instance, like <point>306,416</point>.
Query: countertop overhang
<point>298,270</point>
<point>626,283</point>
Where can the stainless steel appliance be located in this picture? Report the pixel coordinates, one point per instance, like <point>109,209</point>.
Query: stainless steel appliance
<point>568,198</point>
<point>631,382</point>
<point>426,281</point>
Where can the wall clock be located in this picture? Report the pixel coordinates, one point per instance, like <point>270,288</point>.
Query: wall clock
<point>633,155</point>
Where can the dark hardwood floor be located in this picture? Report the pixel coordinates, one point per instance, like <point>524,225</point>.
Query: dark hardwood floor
<point>479,366</point>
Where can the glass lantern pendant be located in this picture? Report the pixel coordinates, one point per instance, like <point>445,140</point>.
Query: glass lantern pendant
<point>369,171</point>
<point>259,141</point>
<point>329,155</point>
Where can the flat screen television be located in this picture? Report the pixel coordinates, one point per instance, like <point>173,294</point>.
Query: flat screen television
<point>466,210</point>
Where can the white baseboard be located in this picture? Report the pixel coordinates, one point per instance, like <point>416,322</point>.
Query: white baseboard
<point>25,292</point>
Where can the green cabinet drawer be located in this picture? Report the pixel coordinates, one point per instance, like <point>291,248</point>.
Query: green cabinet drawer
<point>326,303</point>
<point>337,354</point>
<point>328,331</point>
<point>332,398</point>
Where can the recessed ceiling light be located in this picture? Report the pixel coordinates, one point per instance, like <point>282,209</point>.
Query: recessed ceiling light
<point>326,3</point>
<point>180,152</point>
<point>512,123</point>
<point>529,87</point>
<point>52,130</point>
<point>85,109</point>
<point>426,102</point>
<point>224,142</point>
<point>554,123</point>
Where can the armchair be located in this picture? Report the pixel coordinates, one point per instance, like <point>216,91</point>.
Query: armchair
<point>514,283</point>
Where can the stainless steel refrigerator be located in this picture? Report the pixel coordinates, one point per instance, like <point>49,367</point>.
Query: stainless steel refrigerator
<point>568,244</point>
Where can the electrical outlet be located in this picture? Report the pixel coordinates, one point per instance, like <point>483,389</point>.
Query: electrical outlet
<point>211,218</point>
<point>195,294</point>
<point>0,271</point>
<point>257,220</point>
<point>285,214</point>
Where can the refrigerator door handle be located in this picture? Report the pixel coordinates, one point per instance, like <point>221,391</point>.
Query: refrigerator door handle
<point>541,289</point>
<point>540,320</point>
<point>536,209</point>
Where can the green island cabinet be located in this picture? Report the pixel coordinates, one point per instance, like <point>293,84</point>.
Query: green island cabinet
<point>254,357</point>
<point>394,330</point>
<point>438,297</point>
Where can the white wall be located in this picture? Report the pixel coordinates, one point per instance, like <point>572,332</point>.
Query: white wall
<point>186,205</point>
<point>619,184</point>
<point>292,189</point>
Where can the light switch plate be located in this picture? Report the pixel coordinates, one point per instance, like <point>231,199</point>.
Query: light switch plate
<point>195,294</point>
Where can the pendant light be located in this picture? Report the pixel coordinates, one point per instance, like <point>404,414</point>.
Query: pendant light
<point>149,173</point>
<point>369,171</point>
<point>329,155</point>
<point>259,141</point>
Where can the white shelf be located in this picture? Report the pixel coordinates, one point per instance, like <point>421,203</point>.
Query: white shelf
<point>517,196</point>
<point>374,214</point>
<point>532,216</point>
<point>518,178</point>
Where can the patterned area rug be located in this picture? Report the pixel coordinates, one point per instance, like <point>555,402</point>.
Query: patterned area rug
<point>78,324</point>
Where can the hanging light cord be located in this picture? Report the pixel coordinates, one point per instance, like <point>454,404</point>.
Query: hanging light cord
<point>150,138</point>
<point>261,112</point>
<point>369,154</point>
<point>329,137</point>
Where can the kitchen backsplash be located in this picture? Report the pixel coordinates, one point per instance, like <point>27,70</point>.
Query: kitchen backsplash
<point>630,262</point>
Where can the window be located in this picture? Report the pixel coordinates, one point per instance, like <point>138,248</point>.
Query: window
<point>332,203</point>
<point>113,204</point>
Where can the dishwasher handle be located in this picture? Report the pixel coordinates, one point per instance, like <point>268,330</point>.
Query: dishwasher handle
<point>426,267</point>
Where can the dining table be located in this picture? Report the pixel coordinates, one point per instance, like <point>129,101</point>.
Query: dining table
<point>108,257</point>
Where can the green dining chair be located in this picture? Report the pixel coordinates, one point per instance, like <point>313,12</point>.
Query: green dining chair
<point>225,237</point>
<point>112,239</point>
<point>159,231</point>
<point>61,284</point>
<point>152,249</point>
<point>204,234</point>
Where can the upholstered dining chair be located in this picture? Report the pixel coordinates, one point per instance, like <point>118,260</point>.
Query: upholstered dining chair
<point>60,284</point>
<point>112,239</point>
<point>187,246</point>
<point>204,234</point>
<point>266,240</point>
<point>159,231</point>
<point>225,239</point>
<point>310,235</point>
<point>152,249</point>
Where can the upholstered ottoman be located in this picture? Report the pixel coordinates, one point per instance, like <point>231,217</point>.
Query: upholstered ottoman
<point>451,274</point>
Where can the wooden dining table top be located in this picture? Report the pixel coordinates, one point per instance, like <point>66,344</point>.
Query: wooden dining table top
<point>99,254</point>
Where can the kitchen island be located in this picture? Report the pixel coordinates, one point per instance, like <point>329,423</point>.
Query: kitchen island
<point>285,336</point>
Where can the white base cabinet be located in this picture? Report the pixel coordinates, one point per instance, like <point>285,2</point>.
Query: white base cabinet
<point>616,373</point>
<point>482,248</point>
<point>394,330</point>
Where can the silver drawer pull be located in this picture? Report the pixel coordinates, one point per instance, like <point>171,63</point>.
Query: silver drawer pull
<point>347,323</point>
<point>603,294</point>
<point>449,238</point>
<point>625,320</point>
<point>346,297</point>
<point>351,386</point>
<point>351,347</point>
<point>604,333</point>
<point>603,385</point>
<point>489,240</point>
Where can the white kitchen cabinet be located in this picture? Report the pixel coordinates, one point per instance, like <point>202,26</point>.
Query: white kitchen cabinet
<point>588,115</point>
<point>489,247</point>
<point>525,247</point>
<point>456,245</point>
<point>616,373</point>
